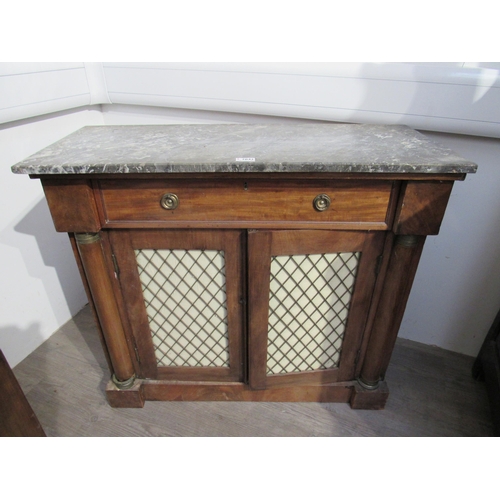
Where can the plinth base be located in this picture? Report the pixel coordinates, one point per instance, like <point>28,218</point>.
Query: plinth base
<point>369,399</point>
<point>162,390</point>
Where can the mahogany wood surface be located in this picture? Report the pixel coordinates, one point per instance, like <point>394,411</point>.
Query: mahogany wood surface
<point>422,207</point>
<point>101,288</point>
<point>269,176</point>
<point>72,205</point>
<point>131,293</point>
<point>401,271</point>
<point>132,397</point>
<point>114,273</point>
<point>240,202</point>
<point>369,399</point>
<point>86,287</point>
<point>155,390</point>
<point>17,418</point>
<point>381,271</point>
<point>259,270</point>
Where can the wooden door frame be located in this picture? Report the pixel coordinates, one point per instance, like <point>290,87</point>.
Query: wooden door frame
<point>124,242</point>
<point>262,245</point>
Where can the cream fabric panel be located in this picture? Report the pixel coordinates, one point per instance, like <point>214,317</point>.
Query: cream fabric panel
<point>309,303</point>
<point>185,297</point>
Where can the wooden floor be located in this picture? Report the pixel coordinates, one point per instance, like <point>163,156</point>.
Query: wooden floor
<point>432,393</point>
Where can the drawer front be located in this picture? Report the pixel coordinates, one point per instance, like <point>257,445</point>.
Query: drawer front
<point>250,203</point>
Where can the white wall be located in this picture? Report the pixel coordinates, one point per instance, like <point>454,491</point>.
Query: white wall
<point>33,89</point>
<point>40,287</point>
<point>447,97</point>
<point>459,98</point>
<point>456,295</point>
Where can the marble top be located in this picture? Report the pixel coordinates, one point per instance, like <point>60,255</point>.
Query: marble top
<point>320,147</point>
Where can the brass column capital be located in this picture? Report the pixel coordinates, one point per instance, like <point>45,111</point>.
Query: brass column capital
<point>406,240</point>
<point>87,238</point>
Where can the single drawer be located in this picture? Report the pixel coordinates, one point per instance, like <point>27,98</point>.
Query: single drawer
<point>245,203</point>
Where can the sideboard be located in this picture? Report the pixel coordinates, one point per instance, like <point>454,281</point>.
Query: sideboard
<point>244,262</point>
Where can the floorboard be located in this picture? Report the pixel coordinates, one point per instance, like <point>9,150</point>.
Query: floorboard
<point>432,393</point>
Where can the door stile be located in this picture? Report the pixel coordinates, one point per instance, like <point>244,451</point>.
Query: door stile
<point>360,305</point>
<point>259,269</point>
<point>129,280</point>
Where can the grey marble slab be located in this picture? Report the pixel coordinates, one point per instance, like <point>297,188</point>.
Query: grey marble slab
<point>244,148</point>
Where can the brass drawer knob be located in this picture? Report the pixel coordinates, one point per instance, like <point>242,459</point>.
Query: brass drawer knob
<point>321,202</point>
<point>169,201</point>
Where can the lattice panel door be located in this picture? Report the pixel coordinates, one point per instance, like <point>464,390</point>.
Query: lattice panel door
<point>185,298</point>
<point>309,302</point>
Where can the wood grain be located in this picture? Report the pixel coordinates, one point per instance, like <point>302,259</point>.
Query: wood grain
<point>401,270</point>
<point>369,399</point>
<point>421,207</point>
<point>155,390</point>
<point>101,288</point>
<point>72,205</point>
<point>91,304</point>
<point>259,269</point>
<point>245,202</point>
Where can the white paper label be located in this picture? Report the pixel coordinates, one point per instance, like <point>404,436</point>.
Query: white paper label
<point>245,159</point>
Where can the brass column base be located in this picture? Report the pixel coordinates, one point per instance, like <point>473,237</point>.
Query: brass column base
<point>125,384</point>
<point>369,386</point>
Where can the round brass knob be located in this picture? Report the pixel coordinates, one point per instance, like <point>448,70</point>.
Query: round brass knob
<point>169,201</point>
<point>321,202</point>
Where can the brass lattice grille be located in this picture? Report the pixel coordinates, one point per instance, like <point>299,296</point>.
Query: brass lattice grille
<point>185,297</point>
<point>309,303</point>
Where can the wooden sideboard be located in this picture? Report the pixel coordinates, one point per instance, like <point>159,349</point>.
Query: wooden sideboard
<point>247,262</point>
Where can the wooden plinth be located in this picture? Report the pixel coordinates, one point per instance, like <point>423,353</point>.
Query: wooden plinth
<point>158,390</point>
